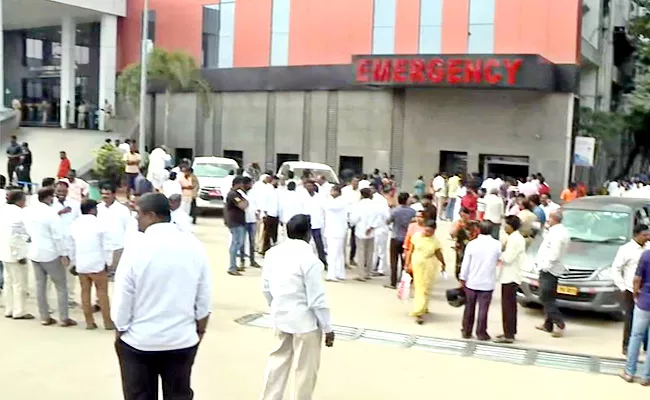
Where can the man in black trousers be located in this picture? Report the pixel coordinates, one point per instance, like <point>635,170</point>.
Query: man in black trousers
<point>623,272</point>
<point>161,305</point>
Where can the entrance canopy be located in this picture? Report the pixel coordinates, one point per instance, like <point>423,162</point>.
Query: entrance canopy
<point>25,14</point>
<point>477,71</point>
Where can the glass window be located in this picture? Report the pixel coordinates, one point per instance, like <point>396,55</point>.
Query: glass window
<point>82,55</point>
<point>151,25</point>
<point>213,170</point>
<point>430,13</point>
<point>280,32</point>
<point>430,40</point>
<point>226,34</point>
<point>384,15</point>
<point>597,226</point>
<point>383,40</point>
<point>481,39</point>
<point>481,12</point>
<point>34,48</point>
<point>279,49</point>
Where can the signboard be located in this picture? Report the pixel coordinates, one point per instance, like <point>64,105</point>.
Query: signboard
<point>476,71</point>
<point>583,151</point>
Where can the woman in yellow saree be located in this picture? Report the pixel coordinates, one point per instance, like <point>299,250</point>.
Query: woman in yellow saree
<point>426,261</point>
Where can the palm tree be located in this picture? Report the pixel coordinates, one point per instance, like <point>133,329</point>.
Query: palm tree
<point>177,71</point>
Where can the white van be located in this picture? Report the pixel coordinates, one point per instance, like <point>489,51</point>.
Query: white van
<point>298,167</point>
<point>215,176</point>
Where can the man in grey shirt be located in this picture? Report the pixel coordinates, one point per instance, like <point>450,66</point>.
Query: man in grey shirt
<point>400,216</point>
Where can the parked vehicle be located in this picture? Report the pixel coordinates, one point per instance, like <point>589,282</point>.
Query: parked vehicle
<point>598,226</point>
<point>215,176</point>
<point>299,167</point>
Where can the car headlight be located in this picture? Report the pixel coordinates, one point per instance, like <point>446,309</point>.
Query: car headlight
<point>604,274</point>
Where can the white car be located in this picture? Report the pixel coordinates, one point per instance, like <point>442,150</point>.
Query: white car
<point>316,169</point>
<point>215,176</point>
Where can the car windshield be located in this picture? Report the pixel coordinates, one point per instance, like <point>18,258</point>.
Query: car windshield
<point>213,170</point>
<point>328,174</point>
<point>597,226</point>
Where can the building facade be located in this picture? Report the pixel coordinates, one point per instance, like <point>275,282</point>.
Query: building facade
<point>57,54</point>
<point>406,86</point>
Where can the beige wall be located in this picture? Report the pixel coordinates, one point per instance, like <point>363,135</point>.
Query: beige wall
<point>515,123</point>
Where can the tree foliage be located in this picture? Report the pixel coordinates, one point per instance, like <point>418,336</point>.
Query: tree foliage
<point>176,71</point>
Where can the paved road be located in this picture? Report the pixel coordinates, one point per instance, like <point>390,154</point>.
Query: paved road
<point>74,364</point>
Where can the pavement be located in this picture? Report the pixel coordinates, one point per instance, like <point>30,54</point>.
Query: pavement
<point>71,364</point>
<point>46,143</point>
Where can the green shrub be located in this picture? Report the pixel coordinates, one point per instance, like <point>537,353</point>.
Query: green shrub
<point>109,164</point>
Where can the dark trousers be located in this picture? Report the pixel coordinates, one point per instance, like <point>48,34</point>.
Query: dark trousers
<point>141,369</point>
<point>250,231</point>
<point>547,295</point>
<point>496,229</point>
<point>627,298</point>
<point>483,298</point>
<point>396,254</point>
<point>509,309</point>
<point>270,232</point>
<point>193,211</point>
<point>353,245</point>
<point>320,248</point>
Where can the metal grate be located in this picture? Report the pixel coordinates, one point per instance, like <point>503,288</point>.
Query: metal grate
<point>493,352</point>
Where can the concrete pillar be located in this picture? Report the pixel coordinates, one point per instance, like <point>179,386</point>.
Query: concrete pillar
<point>107,62</point>
<point>2,61</point>
<point>68,71</point>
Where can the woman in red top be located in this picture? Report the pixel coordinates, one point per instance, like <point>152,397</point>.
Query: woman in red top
<point>470,202</point>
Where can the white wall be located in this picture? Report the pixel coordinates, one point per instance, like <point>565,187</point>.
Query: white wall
<point>115,7</point>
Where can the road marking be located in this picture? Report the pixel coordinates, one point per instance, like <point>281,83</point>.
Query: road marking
<point>467,348</point>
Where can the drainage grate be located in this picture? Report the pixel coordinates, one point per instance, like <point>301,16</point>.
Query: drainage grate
<point>493,352</point>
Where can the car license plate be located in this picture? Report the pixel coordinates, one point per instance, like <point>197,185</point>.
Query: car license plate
<point>571,291</point>
<point>215,193</point>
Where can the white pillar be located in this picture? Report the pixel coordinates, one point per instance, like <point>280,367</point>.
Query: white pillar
<point>107,62</point>
<point>2,61</point>
<point>68,69</point>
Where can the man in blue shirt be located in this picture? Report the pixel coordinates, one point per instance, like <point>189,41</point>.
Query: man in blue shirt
<point>640,322</point>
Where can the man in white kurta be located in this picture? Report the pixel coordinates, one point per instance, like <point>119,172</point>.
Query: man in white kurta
<point>381,233</point>
<point>68,210</point>
<point>290,204</point>
<point>293,286</point>
<point>336,227</point>
<point>116,217</point>
<point>178,216</point>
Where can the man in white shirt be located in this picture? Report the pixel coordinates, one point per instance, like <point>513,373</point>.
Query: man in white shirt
<point>548,205</point>
<point>172,186</point>
<point>478,278</point>
<point>366,218</point>
<point>78,189</point>
<point>88,235</point>
<point>49,256</point>
<point>161,305</point>
<point>336,228</point>
<point>529,188</point>
<point>494,210</point>
<point>156,172</point>
<point>178,216</point>
<point>290,204</point>
<point>13,255</point>
<point>68,211</point>
<point>352,194</point>
<point>324,187</point>
<point>513,259</point>
<point>271,212</point>
<point>293,287</point>
<point>440,192</point>
<point>381,233</point>
<point>115,216</point>
<point>623,271</point>
<point>250,214</point>
<point>313,205</point>
<point>550,264</point>
<point>125,147</point>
